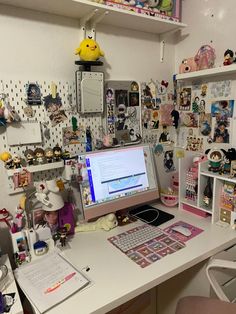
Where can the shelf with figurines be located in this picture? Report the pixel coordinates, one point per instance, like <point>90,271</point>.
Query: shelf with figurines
<point>20,170</point>
<point>202,65</point>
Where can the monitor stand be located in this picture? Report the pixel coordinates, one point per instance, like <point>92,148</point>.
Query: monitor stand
<point>150,215</point>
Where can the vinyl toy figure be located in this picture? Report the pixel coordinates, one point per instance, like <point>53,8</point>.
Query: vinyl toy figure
<point>29,155</point>
<point>6,157</point>
<point>49,154</point>
<point>57,152</point>
<point>16,161</point>
<point>39,154</point>
<point>62,232</point>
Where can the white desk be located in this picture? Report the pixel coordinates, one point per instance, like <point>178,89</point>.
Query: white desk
<point>10,287</point>
<point>118,279</point>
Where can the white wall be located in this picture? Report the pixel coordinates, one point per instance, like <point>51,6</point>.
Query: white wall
<point>209,22</point>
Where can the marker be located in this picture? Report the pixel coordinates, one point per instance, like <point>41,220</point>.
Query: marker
<point>59,283</point>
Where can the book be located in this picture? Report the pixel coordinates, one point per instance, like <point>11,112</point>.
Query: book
<point>49,280</point>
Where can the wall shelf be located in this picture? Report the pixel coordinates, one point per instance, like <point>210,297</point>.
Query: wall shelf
<point>223,70</point>
<point>37,168</point>
<point>116,17</point>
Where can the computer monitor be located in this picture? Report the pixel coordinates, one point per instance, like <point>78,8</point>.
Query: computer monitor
<point>117,178</point>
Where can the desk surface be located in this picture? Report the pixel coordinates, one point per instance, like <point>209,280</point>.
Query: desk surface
<point>118,279</point>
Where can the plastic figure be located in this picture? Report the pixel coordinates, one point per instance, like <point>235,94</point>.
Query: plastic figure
<point>39,154</point>
<point>48,153</point>
<point>228,57</point>
<point>6,157</point>
<point>16,161</point>
<point>29,155</point>
<point>57,152</point>
<point>62,232</point>
<point>207,193</point>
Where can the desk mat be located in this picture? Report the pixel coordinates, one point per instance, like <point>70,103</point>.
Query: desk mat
<point>180,237</point>
<point>152,250</point>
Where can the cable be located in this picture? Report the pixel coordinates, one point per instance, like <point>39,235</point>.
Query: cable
<point>144,211</point>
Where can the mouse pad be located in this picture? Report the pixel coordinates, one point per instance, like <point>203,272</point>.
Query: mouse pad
<point>150,215</point>
<point>180,237</point>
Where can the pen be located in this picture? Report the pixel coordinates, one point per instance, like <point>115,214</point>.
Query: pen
<point>59,283</point>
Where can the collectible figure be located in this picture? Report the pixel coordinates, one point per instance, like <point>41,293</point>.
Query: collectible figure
<point>207,193</point>
<point>16,161</point>
<point>39,155</point>
<point>29,155</point>
<point>228,57</point>
<point>62,232</point>
<point>89,50</point>
<point>7,159</point>
<point>49,154</point>
<point>57,152</point>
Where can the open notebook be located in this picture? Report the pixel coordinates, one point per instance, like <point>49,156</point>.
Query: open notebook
<point>49,280</point>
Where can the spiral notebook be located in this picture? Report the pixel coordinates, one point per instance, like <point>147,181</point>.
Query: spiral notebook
<point>49,280</point>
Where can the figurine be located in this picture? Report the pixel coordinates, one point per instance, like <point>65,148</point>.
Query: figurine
<point>207,193</point>
<point>7,159</point>
<point>30,157</point>
<point>48,153</point>
<point>89,50</point>
<point>62,233</point>
<point>228,57</point>
<point>18,220</point>
<point>39,155</point>
<point>16,161</point>
<point>57,152</point>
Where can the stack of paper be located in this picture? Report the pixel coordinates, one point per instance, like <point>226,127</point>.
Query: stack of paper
<point>49,280</point>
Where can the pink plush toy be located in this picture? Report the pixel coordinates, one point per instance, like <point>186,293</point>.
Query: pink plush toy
<point>188,65</point>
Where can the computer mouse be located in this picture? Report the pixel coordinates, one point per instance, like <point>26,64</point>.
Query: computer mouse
<point>182,230</point>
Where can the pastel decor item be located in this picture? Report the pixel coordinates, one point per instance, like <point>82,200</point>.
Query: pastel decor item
<point>188,65</point>
<point>205,57</point>
<point>89,50</point>
<point>106,223</point>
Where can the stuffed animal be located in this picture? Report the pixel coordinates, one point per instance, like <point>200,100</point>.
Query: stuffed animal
<point>107,223</point>
<point>89,50</point>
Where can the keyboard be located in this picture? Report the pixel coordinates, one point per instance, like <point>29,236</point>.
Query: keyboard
<point>135,237</point>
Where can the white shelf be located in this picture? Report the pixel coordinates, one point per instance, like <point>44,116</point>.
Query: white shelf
<point>37,168</point>
<point>223,70</point>
<point>116,17</point>
<point>218,176</point>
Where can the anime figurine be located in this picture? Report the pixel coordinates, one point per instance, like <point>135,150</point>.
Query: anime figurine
<point>16,161</point>
<point>228,57</point>
<point>207,193</point>
<point>57,153</point>
<point>62,233</point>
<point>6,157</point>
<point>48,153</point>
<point>39,155</point>
<point>18,220</point>
<point>30,157</point>
<point>89,50</point>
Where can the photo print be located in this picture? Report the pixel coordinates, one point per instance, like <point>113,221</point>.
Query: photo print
<point>71,137</point>
<point>222,109</point>
<point>54,109</point>
<point>220,89</point>
<point>221,131</point>
<point>185,99</point>
<point>205,124</point>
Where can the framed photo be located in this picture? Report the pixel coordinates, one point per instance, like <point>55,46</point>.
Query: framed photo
<point>233,169</point>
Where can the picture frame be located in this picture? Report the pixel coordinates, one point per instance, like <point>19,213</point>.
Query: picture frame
<point>233,169</point>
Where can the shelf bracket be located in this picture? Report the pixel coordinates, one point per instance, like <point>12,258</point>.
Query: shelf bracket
<point>95,21</point>
<point>162,50</point>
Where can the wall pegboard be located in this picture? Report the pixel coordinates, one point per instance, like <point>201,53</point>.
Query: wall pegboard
<point>16,93</point>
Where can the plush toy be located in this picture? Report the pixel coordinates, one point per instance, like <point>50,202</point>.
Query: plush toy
<point>188,65</point>
<point>107,223</point>
<point>229,57</point>
<point>166,7</point>
<point>89,50</point>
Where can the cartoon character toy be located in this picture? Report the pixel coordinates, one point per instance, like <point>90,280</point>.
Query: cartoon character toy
<point>16,161</point>
<point>62,233</point>
<point>29,155</point>
<point>49,154</point>
<point>6,157</point>
<point>57,152</point>
<point>39,154</point>
<point>188,65</point>
<point>215,157</point>
<point>89,50</point>
<point>228,57</point>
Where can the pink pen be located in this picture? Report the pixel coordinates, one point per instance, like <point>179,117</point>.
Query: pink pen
<point>59,283</point>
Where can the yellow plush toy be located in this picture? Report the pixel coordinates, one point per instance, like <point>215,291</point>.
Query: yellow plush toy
<point>89,50</point>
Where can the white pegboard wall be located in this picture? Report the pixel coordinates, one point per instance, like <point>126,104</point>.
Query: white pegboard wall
<point>16,92</point>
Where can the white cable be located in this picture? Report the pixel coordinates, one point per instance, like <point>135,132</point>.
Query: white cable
<point>144,211</point>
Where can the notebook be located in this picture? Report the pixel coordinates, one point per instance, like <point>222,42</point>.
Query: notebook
<point>49,280</point>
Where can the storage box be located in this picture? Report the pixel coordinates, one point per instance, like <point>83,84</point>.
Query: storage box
<point>153,8</point>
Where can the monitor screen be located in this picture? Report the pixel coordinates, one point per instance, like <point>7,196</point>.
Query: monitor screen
<point>116,179</point>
